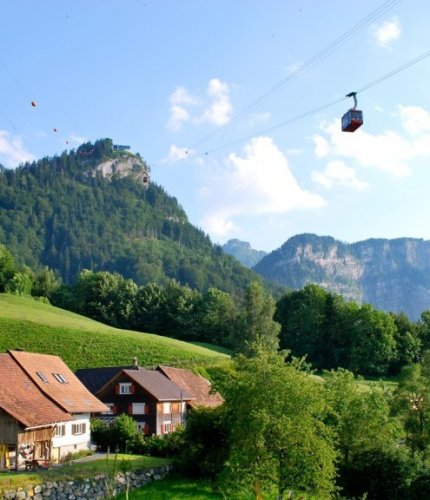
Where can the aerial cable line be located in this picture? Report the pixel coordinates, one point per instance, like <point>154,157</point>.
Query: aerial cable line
<point>308,65</point>
<point>328,105</point>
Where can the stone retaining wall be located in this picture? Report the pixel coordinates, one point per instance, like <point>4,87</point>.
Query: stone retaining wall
<point>95,488</point>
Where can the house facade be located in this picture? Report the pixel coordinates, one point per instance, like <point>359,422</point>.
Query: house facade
<point>44,410</point>
<point>156,404</point>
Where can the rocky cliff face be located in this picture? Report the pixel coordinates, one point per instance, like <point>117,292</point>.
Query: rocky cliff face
<point>393,275</point>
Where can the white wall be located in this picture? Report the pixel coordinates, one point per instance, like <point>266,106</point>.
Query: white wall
<point>69,443</point>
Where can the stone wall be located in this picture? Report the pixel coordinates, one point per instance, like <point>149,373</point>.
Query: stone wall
<point>94,488</point>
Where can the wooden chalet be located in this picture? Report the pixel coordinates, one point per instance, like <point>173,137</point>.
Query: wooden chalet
<point>44,410</point>
<point>157,404</point>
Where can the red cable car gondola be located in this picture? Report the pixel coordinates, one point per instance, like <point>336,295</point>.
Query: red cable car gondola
<point>353,118</point>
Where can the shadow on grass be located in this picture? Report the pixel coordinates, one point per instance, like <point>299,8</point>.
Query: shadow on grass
<point>175,488</point>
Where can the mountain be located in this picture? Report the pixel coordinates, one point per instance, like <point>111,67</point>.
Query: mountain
<point>393,275</point>
<point>243,252</point>
<point>92,208</point>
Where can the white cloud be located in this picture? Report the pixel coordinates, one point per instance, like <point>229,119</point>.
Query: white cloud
<point>182,96</point>
<point>387,31</point>
<point>215,109</point>
<point>336,172</point>
<point>321,146</point>
<point>178,116</point>
<point>219,112</point>
<point>257,182</point>
<point>12,151</point>
<point>390,151</point>
<point>414,119</point>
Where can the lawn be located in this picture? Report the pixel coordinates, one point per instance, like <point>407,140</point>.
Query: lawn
<point>78,470</point>
<point>174,488</point>
<point>83,343</point>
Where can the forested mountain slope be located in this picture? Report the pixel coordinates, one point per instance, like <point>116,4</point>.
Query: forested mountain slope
<point>393,275</point>
<point>91,209</point>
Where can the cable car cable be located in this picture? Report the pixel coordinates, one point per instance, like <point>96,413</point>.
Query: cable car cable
<point>328,105</point>
<point>307,66</point>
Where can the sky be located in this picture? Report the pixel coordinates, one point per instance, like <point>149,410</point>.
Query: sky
<point>235,105</point>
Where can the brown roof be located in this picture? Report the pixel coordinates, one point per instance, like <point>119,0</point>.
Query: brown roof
<point>21,398</point>
<point>194,384</point>
<point>158,385</point>
<point>154,382</point>
<point>55,379</point>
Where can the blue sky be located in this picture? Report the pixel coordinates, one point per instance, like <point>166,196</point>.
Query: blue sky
<point>199,88</point>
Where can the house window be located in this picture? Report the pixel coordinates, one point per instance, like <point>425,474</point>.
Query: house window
<point>166,427</point>
<point>60,378</point>
<point>60,430</point>
<point>110,411</point>
<point>78,429</point>
<point>125,388</point>
<point>138,409</point>
<point>42,376</point>
<point>166,408</point>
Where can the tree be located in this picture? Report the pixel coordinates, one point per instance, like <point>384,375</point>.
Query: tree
<point>277,435</point>
<point>259,330</point>
<point>334,333</point>
<point>46,283</point>
<point>408,342</point>
<point>412,403</point>
<point>302,315</point>
<point>216,318</point>
<point>7,267</point>
<point>21,283</point>
<point>360,419</point>
<point>373,343</point>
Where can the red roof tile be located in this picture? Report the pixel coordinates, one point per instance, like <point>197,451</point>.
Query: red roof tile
<point>22,399</point>
<point>55,379</point>
<point>194,384</point>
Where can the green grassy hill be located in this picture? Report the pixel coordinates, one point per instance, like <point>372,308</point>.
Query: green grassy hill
<point>83,343</point>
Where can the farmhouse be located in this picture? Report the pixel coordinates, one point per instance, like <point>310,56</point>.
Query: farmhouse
<point>156,404</point>
<point>44,410</point>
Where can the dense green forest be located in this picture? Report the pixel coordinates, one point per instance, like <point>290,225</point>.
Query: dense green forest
<point>66,213</point>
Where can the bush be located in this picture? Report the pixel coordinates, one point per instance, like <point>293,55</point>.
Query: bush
<point>205,446</point>
<point>381,474</point>
<point>77,454</point>
<point>168,446</point>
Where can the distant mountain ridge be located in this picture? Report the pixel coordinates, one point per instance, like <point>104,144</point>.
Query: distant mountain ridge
<point>243,252</point>
<point>393,275</point>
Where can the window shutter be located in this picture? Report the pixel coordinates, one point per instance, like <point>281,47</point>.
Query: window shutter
<point>117,389</point>
<point>84,428</point>
<point>130,409</point>
<point>63,430</point>
<point>162,429</point>
<point>132,389</point>
<point>73,429</point>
